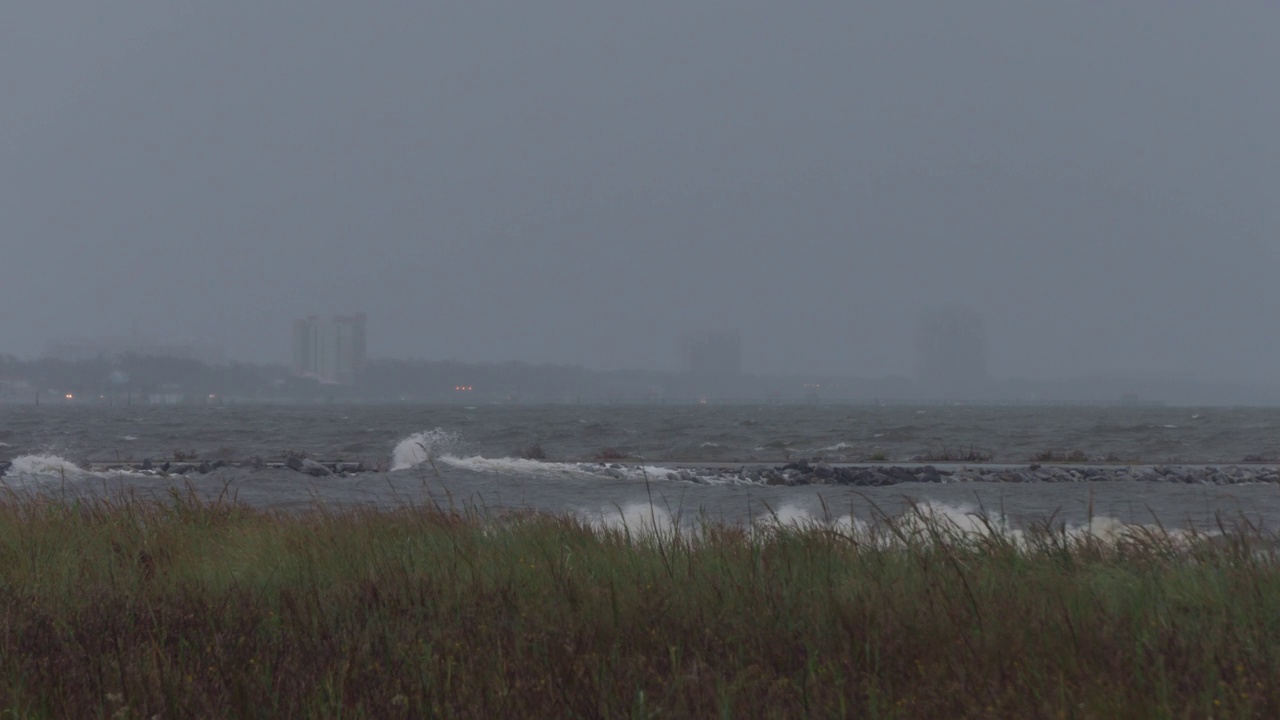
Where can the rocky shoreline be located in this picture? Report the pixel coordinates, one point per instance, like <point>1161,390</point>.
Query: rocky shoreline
<point>877,475</point>
<point>790,475</point>
<point>296,463</point>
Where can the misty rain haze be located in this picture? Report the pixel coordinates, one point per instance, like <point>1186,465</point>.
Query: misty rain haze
<point>583,183</point>
<point>489,358</point>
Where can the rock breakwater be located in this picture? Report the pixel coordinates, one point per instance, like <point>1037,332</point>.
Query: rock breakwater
<point>790,475</point>
<point>876,475</point>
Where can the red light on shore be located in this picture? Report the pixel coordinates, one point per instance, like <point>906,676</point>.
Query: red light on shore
<point>462,388</point>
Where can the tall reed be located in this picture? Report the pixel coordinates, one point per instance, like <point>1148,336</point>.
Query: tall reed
<point>181,608</point>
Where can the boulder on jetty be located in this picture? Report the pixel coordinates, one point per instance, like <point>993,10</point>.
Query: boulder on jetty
<point>292,461</point>
<point>306,466</point>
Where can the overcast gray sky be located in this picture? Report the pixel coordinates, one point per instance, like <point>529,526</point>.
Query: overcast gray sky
<point>583,181</point>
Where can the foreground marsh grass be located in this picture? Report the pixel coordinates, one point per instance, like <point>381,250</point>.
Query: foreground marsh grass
<point>180,608</point>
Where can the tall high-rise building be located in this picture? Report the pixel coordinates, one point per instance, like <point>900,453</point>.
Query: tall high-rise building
<point>348,347</point>
<point>306,346</point>
<point>333,351</point>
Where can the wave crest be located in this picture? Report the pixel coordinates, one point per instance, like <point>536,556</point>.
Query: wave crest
<point>422,447</point>
<point>43,466</point>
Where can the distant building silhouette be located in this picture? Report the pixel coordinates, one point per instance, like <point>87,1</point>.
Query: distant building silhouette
<point>306,346</point>
<point>951,345</point>
<point>332,351</point>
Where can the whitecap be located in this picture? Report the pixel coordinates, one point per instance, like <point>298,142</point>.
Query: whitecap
<point>636,520</point>
<point>43,467</point>
<point>422,447</point>
<point>537,468</point>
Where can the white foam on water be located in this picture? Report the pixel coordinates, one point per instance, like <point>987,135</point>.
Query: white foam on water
<point>637,520</point>
<point>421,447</point>
<point>509,466</point>
<point>52,469</point>
<point>43,467</point>
<point>957,521</point>
<point>436,446</point>
<point>539,468</point>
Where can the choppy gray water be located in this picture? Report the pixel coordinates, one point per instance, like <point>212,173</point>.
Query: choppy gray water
<point>476,455</point>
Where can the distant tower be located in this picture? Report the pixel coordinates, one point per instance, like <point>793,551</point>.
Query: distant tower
<point>306,346</point>
<point>951,346</point>
<point>348,347</point>
<point>331,351</point>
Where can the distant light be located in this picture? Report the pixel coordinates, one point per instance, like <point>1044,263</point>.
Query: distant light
<point>212,396</point>
<point>69,396</point>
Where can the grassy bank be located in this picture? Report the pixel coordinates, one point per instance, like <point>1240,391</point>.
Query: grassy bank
<point>186,609</point>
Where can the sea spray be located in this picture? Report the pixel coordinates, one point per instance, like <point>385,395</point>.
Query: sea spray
<point>638,521</point>
<point>926,523</point>
<point>439,445</point>
<point>49,469</point>
<point>43,467</point>
<point>539,468</point>
<point>422,447</point>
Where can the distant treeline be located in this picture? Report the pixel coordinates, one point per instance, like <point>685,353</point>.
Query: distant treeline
<point>181,380</point>
<point>146,375</point>
<point>148,379</point>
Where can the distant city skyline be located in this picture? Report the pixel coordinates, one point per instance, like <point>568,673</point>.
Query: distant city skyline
<point>578,183</point>
<point>951,348</point>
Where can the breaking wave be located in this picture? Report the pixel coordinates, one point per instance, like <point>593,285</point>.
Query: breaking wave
<point>539,468</point>
<point>44,467</point>
<point>51,469</point>
<point>422,447</point>
<point>440,447</point>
